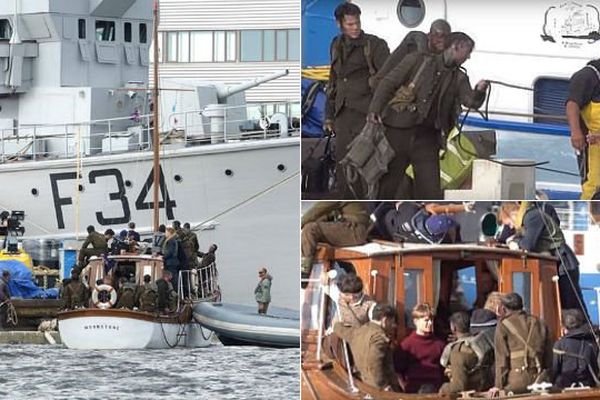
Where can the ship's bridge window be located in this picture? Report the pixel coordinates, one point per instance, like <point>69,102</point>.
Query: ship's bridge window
<point>143,33</point>
<point>127,32</point>
<point>81,28</point>
<point>411,12</point>
<point>5,29</point>
<point>105,31</point>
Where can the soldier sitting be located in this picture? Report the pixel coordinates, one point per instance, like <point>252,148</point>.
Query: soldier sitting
<point>575,354</point>
<point>354,304</point>
<point>523,348</point>
<point>126,294</point>
<point>370,346</point>
<point>75,294</point>
<point>99,246</point>
<point>148,295</point>
<point>337,223</point>
<point>466,360</point>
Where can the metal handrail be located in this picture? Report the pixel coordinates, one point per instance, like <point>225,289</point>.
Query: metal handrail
<point>33,134</point>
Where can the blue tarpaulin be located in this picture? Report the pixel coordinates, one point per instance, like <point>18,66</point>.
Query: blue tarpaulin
<point>21,282</point>
<point>312,122</point>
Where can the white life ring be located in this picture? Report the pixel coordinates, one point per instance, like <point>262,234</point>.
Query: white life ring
<point>104,304</point>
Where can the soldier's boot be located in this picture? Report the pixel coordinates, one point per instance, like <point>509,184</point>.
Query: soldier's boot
<point>305,268</point>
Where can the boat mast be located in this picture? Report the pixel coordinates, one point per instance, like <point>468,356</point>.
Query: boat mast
<point>155,138</point>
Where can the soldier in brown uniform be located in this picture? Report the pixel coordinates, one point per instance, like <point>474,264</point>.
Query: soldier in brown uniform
<point>75,294</point>
<point>99,246</point>
<point>436,41</point>
<point>465,359</point>
<point>523,348</point>
<point>337,223</point>
<point>355,57</point>
<point>370,347</point>
<point>417,101</point>
<point>354,305</point>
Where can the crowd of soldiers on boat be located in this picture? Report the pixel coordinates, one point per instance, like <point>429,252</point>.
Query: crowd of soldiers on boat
<point>499,347</point>
<point>400,109</point>
<point>177,245</point>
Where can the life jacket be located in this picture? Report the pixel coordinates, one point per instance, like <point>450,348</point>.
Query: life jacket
<point>149,297</point>
<point>456,161</point>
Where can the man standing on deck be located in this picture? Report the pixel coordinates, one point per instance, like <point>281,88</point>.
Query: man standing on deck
<point>417,101</point>
<point>99,246</point>
<point>583,114</point>
<point>337,223</point>
<point>435,42</point>
<point>75,294</point>
<point>355,57</point>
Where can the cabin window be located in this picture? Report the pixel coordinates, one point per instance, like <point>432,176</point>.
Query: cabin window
<point>143,33</point>
<point>127,32</point>
<point>549,98</point>
<point>81,28</point>
<point>413,282</point>
<point>5,29</point>
<point>411,12</point>
<point>105,31</point>
<point>521,284</point>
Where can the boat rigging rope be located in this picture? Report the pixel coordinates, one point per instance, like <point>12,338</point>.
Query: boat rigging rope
<point>247,200</point>
<point>571,283</point>
<point>180,332</point>
<point>11,312</point>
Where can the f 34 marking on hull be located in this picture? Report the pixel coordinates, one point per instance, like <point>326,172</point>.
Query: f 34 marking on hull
<point>119,195</point>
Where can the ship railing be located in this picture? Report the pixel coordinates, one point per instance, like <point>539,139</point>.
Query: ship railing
<point>234,123</point>
<point>133,133</point>
<point>199,284</point>
<point>84,138</point>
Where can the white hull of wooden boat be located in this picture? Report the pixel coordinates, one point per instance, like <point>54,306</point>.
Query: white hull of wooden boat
<point>129,331</point>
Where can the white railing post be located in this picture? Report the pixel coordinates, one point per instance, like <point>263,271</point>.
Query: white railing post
<point>66,141</point>
<point>34,145</point>
<point>109,138</point>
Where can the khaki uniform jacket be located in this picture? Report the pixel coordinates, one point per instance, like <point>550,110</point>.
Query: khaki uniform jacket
<point>356,314</point>
<point>463,375</point>
<point>513,372</point>
<point>97,240</point>
<point>76,295</point>
<point>370,347</point>
<point>438,86</point>
<point>343,211</point>
<point>349,74</point>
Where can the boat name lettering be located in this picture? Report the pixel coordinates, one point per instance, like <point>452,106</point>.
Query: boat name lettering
<point>102,326</point>
<point>118,194</point>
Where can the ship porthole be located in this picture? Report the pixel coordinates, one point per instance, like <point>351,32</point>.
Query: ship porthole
<point>281,167</point>
<point>411,12</point>
<point>228,172</point>
<point>128,183</point>
<point>80,188</point>
<point>178,178</point>
<point>34,192</point>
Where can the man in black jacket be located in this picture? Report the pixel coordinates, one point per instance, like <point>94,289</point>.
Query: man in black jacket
<point>575,355</point>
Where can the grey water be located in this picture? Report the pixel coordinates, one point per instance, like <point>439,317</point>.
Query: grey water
<point>216,372</point>
<point>556,150</point>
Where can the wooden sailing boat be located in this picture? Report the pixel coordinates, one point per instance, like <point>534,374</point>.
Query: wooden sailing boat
<point>404,275</point>
<point>102,327</point>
